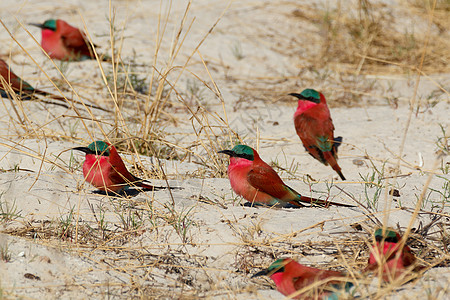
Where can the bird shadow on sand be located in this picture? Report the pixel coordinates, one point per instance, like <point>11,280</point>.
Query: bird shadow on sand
<point>280,206</point>
<point>258,205</point>
<point>124,193</point>
<point>131,192</point>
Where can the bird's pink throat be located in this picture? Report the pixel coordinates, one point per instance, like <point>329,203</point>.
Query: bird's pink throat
<point>47,33</point>
<point>304,106</point>
<point>277,278</point>
<point>238,161</point>
<point>91,159</point>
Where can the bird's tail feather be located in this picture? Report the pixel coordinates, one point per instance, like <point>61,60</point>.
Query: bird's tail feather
<point>66,100</point>
<point>337,142</point>
<point>318,202</point>
<point>333,163</point>
<point>142,184</point>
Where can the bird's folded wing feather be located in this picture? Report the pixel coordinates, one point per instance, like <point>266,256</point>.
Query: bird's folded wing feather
<point>75,40</point>
<point>409,257</point>
<point>265,179</point>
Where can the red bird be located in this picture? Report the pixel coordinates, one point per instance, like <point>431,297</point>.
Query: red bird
<point>64,42</point>
<point>290,277</point>
<point>315,128</point>
<point>386,253</point>
<point>14,82</point>
<point>104,169</point>
<point>257,182</point>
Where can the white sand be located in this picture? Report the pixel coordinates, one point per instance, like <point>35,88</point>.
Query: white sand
<point>220,243</point>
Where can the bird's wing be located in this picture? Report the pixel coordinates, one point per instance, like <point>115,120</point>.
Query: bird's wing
<point>408,256</point>
<point>311,130</point>
<point>16,82</point>
<point>265,179</point>
<point>119,173</point>
<point>76,41</point>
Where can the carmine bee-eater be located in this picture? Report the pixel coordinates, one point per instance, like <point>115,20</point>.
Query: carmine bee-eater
<point>386,253</point>
<point>315,128</point>
<point>64,42</point>
<point>11,82</point>
<point>15,83</point>
<point>104,169</point>
<point>257,182</point>
<point>290,277</point>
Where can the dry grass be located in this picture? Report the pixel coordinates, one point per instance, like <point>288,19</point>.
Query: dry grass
<point>348,39</point>
<point>373,39</point>
<point>145,102</point>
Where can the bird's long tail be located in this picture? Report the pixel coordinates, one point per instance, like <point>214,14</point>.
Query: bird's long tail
<point>66,102</point>
<point>297,200</point>
<point>328,156</point>
<point>146,186</point>
<point>318,202</point>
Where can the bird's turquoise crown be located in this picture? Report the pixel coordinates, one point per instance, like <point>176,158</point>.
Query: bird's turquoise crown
<point>50,24</point>
<point>99,147</point>
<point>277,266</point>
<point>243,151</point>
<point>311,95</point>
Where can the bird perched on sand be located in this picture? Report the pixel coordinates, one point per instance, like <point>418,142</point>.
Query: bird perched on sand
<point>315,128</point>
<point>290,277</point>
<point>387,253</point>
<point>104,169</point>
<point>10,82</point>
<point>257,182</point>
<point>64,42</point>
<point>13,82</point>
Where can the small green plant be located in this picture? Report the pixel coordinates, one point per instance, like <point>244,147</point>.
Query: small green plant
<point>5,255</point>
<point>102,224</point>
<point>181,222</point>
<point>236,49</point>
<point>129,77</point>
<point>442,142</point>
<point>73,129</point>
<point>404,48</point>
<point>444,192</point>
<point>373,186</point>
<point>8,212</point>
<point>63,67</point>
<point>65,223</point>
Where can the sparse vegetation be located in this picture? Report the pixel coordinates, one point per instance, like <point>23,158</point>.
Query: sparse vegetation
<point>173,105</point>
<point>8,210</point>
<point>5,255</point>
<point>236,49</point>
<point>373,187</point>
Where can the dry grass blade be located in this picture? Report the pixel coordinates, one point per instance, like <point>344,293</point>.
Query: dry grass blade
<point>187,79</point>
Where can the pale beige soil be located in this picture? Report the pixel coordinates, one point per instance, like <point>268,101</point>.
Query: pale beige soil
<point>199,242</point>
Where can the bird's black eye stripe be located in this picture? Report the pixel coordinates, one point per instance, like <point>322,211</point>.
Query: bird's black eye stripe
<point>279,270</point>
<point>312,99</point>
<point>245,156</point>
<point>388,239</point>
<point>391,240</point>
<point>102,153</point>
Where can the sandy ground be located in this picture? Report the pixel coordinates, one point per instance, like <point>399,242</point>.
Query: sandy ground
<point>199,241</point>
